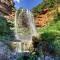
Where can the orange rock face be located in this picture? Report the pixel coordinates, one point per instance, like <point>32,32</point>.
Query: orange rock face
<point>5,6</point>
<point>41,20</point>
<point>10,16</point>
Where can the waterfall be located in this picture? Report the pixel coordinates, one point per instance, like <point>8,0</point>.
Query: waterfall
<point>31,21</point>
<point>24,25</point>
<point>24,28</point>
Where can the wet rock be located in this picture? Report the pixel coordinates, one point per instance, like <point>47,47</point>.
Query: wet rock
<point>3,57</point>
<point>5,53</point>
<point>6,6</point>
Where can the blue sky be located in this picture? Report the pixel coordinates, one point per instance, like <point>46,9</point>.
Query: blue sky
<point>28,4</point>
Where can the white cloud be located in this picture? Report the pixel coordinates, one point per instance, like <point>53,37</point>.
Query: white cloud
<point>17,1</point>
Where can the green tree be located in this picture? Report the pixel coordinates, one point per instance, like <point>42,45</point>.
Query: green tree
<point>5,32</point>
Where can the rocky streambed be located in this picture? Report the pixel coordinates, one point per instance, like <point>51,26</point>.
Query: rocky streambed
<point>5,52</point>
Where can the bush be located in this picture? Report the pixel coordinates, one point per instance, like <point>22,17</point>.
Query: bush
<point>53,39</point>
<point>51,34</point>
<point>5,32</point>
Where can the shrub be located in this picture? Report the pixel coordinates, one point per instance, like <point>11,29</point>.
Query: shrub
<point>5,32</point>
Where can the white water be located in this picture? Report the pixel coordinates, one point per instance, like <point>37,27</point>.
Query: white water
<point>30,29</point>
<point>21,32</point>
<point>31,21</point>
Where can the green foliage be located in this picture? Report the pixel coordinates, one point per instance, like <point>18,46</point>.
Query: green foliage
<point>39,8</point>
<point>3,25</point>
<point>31,57</point>
<point>20,58</point>
<point>11,46</point>
<point>50,4</point>
<point>5,31</point>
<point>58,1</point>
<point>53,38</point>
<point>51,34</point>
<point>53,26</point>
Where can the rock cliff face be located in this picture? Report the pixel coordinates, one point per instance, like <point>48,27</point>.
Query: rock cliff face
<point>59,8</point>
<point>4,52</point>
<point>6,6</point>
<point>7,9</point>
<point>44,14</point>
<point>42,18</point>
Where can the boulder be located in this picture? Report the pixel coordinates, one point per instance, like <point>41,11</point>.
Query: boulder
<point>5,53</point>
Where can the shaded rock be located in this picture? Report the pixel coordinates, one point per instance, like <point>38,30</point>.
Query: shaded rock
<point>5,53</point>
<point>3,57</point>
<point>6,6</point>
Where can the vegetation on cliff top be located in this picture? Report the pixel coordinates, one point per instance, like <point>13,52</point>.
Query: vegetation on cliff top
<point>50,4</point>
<point>49,34</point>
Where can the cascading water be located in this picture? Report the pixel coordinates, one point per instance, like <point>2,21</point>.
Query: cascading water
<point>24,26</point>
<point>31,21</point>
